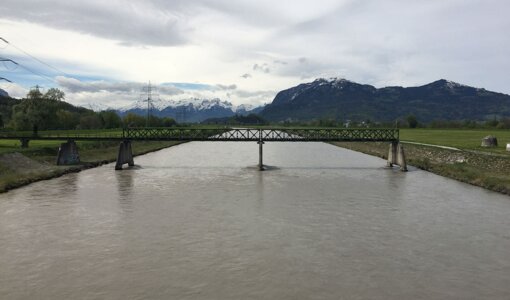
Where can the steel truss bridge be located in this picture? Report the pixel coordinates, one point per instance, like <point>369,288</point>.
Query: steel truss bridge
<point>221,134</point>
<point>68,152</point>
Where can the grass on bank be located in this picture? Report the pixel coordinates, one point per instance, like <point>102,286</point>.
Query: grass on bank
<point>19,166</point>
<point>466,139</point>
<point>483,170</point>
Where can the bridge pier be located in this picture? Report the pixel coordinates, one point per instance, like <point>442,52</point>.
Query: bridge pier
<point>24,143</point>
<point>125,155</point>
<point>261,165</point>
<point>68,154</point>
<point>396,156</point>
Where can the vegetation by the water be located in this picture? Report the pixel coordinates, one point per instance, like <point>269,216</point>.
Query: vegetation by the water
<point>480,169</point>
<point>19,167</point>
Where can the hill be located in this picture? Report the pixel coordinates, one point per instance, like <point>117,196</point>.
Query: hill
<point>342,100</point>
<point>6,104</point>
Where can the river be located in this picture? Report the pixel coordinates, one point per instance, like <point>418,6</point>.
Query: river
<point>199,221</point>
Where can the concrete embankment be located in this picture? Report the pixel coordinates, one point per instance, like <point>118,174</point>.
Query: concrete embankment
<point>481,169</point>
<point>19,169</point>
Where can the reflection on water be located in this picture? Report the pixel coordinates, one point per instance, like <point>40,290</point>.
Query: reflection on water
<point>198,221</point>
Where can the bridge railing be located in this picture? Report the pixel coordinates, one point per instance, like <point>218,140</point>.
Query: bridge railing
<point>261,134</point>
<point>102,134</point>
<point>213,134</point>
<point>169,133</point>
<point>335,134</point>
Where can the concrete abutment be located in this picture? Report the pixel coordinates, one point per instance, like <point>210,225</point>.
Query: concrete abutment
<point>125,155</point>
<point>396,156</point>
<point>24,143</point>
<point>68,154</point>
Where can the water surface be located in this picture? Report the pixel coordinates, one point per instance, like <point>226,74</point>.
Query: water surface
<point>198,221</point>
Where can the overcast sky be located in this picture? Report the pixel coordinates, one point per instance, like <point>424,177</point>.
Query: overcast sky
<point>246,51</point>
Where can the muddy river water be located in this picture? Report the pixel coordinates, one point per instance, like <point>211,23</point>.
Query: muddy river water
<point>199,221</point>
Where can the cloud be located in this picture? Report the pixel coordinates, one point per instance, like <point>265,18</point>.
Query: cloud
<point>121,93</point>
<point>73,85</point>
<point>130,23</point>
<point>276,45</point>
<point>190,86</point>
<point>14,90</point>
<point>226,87</point>
<point>255,97</point>
<point>264,68</point>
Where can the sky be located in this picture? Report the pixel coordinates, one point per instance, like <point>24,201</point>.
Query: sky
<point>106,52</point>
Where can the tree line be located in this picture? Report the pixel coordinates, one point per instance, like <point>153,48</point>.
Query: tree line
<point>49,111</point>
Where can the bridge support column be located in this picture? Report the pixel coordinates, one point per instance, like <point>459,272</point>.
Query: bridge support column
<point>68,154</point>
<point>261,165</point>
<point>125,155</point>
<point>24,143</point>
<point>396,156</point>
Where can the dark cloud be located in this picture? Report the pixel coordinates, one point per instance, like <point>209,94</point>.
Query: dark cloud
<point>246,76</point>
<point>135,23</point>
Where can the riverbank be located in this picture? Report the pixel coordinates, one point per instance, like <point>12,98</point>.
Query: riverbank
<point>19,168</point>
<point>481,169</point>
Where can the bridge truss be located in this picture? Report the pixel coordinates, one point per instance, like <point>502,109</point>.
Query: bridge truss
<point>68,151</point>
<point>264,135</point>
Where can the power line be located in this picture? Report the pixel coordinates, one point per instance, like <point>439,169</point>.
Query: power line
<point>2,78</point>
<point>2,59</point>
<point>33,57</point>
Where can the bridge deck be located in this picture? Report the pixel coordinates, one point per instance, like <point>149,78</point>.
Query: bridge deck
<point>219,134</point>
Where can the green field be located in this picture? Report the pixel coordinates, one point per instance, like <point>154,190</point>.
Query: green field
<point>465,139</point>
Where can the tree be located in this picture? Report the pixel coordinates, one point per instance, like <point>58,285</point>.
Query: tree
<point>55,94</point>
<point>110,119</point>
<point>168,122</point>
<point>91,121</point>
<point>133,120</point>
<point>67,119</point>
<point>35,93</point>
<point>412,121</point>
<point>32,112</point>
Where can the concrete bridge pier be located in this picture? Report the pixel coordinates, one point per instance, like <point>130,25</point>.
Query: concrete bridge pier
<point>68,154</point>
<point>125,155</point>
<point>396,156</point>
<point>24,143</point>
<point>261,165</point>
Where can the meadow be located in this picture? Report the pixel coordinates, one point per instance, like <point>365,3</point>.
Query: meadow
<point>465,139</point>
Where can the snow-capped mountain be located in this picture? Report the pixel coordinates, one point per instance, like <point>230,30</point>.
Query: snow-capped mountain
<point>188,110</point>
<point>341,99</point>
<point>97,107</point>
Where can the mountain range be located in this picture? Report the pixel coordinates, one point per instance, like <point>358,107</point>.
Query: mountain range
<point>341,99</point>
<point>189,110</point>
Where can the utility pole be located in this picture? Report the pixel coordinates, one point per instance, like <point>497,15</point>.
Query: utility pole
<point>149,94</point>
